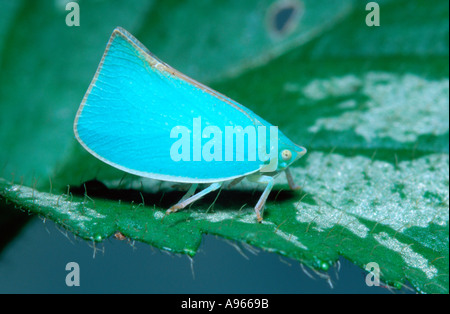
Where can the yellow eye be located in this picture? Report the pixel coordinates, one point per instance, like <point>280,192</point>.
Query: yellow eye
<point>286,154</point>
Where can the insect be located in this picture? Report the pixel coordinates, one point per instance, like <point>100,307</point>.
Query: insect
<point>144,117</point>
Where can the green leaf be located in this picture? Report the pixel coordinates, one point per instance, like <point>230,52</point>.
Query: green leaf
<point>369,103</point>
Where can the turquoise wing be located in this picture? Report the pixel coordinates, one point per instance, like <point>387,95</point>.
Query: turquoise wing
<point>134,103</point>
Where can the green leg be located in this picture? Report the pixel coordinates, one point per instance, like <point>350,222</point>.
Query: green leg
<point>185,202</point>
<point>290,180</point>
<point>259,208</point>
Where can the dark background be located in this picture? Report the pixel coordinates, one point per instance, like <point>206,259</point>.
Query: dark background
<point>35,263</point>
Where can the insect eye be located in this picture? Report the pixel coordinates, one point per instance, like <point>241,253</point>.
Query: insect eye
<point>286,154</point>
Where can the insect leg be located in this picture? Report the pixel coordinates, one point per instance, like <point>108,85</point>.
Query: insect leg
<point>235,181</point>
<point>185,202</point>
<point>290,180</point>
<point>259,208</point>
<point>190,192</point>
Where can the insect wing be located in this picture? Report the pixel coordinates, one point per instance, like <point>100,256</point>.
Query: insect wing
<point>136,101</point>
